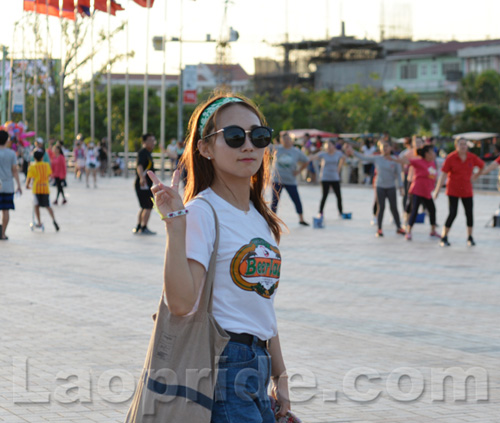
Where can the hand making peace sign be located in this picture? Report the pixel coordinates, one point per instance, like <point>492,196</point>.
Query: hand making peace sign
<point>167,199</point>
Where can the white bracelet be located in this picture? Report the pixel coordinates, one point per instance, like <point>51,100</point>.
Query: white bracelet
<point>174,214</point>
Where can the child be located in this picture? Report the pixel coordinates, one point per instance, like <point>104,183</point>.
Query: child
<point>39,173</point>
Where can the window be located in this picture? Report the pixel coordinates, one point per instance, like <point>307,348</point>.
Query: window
<point>480,64</point>
<point>434,69</point>
<point>408,71</point>
<point>451,67</point>
<point>423,70</point>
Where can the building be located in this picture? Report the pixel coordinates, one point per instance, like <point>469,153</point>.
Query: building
<point>209,76</point>
<point>434,72</point>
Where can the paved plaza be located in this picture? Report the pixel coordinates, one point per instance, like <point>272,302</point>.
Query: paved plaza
<point>372,330</point>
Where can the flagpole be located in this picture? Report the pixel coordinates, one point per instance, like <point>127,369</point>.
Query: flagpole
<point>76,69</point>
<point>61,76</point>
<point>108,4</point>
<point>162,123</point>
<point>35,83</point>
<point>23,76</point>
<point>11,73</point>
<point>92,93</point>
<point>127,94</point>
<point>180,134</point>
<point>47,74</point>
<point>145,105</point>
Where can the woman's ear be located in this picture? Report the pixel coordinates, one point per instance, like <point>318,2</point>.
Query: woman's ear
<point>204,148</point>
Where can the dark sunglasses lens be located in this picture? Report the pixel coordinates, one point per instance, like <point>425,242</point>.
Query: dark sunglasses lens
<point>234,136</point>
<point>261,137</point>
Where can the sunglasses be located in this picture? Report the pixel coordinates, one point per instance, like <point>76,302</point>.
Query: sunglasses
<point>234,136</point>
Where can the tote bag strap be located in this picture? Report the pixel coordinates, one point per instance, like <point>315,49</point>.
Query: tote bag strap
<point>207,296</point>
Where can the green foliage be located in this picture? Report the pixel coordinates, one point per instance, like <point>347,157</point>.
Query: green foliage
<point>481,95</point>
<point>359,110</point>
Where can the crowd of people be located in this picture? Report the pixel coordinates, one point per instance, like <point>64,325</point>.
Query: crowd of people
<point>43,165</point>
<point>417,173</point>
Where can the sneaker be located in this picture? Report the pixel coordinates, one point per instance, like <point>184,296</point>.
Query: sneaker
<point>470,242</point>
<point>434,234</point>
<point>65,201</point>
<point>444,242</point>
<point>56,226</point>
<point>304,223</point>
<point>146,231</point>
<point>408,236</point>
<point>55,203</point>
<point>137,229</point>
<point>379,233</point>
<point>401,231</point>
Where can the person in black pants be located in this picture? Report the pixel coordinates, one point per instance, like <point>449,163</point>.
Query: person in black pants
<point>331,162</point>
<point>143,184</point>
<point>459,167</point>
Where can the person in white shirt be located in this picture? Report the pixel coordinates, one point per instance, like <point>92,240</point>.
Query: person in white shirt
<point>227,164</point>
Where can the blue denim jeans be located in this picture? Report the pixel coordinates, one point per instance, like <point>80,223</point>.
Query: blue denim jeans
<point>292,192</point>
<point>241,389</point>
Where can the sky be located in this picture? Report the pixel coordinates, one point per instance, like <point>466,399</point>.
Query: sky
<point>261,24</point>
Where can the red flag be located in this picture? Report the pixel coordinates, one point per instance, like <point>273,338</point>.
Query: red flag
<point>102,5</point>
<point>51,7</point>
<point>144,3</point>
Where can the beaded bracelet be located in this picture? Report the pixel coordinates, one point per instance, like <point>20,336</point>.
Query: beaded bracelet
<point>174,214</point>
<point>169,215</point>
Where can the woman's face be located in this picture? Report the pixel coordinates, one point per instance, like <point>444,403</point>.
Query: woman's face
<point>228,162</point>
<point>330,147</point>
<point>286,141</point>
<point>418,143</point>
<point>385,148</point>
<point>462,146</point>
<point>430,155</point>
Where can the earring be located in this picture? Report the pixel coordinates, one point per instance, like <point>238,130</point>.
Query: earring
<point>209,158</point>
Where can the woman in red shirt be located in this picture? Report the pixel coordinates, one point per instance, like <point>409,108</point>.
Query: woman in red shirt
<point>459,167</point>
<point>59,171</point>
<point>422,185</point>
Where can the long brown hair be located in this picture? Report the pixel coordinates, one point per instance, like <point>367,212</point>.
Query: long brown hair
<point>201,172</point>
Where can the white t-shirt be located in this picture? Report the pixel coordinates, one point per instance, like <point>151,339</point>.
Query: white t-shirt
<point>248,264</point>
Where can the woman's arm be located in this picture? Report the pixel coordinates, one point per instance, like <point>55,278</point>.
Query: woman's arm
<point>360,156</point>
<point>341,163</point>
<point>402,160</point>
<point>485,170</point>
<point>279,376</point>
<point>439,184</point>
<point>182,277</point>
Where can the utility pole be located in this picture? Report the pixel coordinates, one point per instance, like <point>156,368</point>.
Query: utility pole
<point>4,96</point>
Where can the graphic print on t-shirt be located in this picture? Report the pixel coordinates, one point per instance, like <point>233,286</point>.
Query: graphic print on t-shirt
<point>256,267</point>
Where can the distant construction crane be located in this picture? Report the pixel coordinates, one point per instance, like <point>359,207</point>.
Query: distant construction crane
<point>227,35</point>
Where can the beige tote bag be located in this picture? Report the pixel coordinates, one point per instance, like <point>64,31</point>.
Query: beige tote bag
<point>180,371</point>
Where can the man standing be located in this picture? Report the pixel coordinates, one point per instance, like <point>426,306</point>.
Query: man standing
<point>8,172</point>
<point>143,184</point>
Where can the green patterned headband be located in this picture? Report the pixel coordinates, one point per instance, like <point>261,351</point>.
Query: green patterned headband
<point>210,110</point>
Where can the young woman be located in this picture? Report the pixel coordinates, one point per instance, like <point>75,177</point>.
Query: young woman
<point>227,164</point>
<point>91,164</point>
<point>388,175</point>
<point>59,171</point>
<point>424,180</point>
<point>331,162</point>
<point>79,158</point>
<point>459,167</point>
<point>285,170</point>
